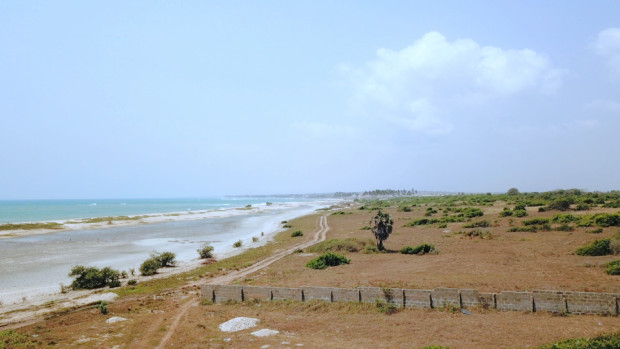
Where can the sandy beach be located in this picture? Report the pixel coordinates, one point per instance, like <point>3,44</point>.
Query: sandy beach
<point>38,261</point>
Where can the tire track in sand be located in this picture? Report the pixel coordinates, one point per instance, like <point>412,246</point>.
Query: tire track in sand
<point>319,236</point>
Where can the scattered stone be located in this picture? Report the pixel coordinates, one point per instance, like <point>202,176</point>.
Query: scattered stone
<point>465,312</point>
<point>285,343</point>
<point>265,346</point>
<point>238,324</point>
<point>115,319</point>
<point>226,339</point>
<point>264,332</point>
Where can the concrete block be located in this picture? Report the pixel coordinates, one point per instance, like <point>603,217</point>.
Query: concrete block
<point>519,301</point>
<point>256,292</point>
<point>487,300</point>
<point>286,293</point>
<point>552,301</point>
<point>225,293</point>
<point>417,298</point>
<point>591,303</point>
<point>469,298</point>
<point>345,295</point>
<point>318,293</point>
<point>441,297</point>
<point>207,293</point>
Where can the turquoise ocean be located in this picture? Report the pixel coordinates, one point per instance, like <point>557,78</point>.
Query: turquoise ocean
<point>14,211</point>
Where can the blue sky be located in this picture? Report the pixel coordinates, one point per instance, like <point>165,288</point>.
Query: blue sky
<point>203,98</point>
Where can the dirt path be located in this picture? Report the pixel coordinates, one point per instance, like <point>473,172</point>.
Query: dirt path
<point>319,236</point>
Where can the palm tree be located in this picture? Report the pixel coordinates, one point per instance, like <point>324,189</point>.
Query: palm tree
<point>381,227</point>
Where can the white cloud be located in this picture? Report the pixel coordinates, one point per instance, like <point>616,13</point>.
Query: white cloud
<point>420,84</point>
<point>607,45</point>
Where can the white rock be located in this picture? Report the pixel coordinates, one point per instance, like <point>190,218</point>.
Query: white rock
<point>265,346</point>
<point>115,319</point>
<point>264,332</point>
<point>238,324</point>
<point>106,297</point>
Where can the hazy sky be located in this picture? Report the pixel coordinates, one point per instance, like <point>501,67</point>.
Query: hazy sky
<point>200,98</point>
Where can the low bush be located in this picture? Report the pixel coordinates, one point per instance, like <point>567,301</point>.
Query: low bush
<point>366,227</point>
<point>597,248</point>
<point>565,218</point>
<point>506,212</point>
<point>530,229</point>
<point>564,227</point>
<point>90,277</point>
<point>404,209</point>
<point>605,341</point>
<point>420,249</point>
<point>520,213</point>
<point>328,260</point>
<point>337,245</point>
<point>338,213</point>
<point>132,282</point>
<point>613,268</point>
<point>206,251</point>
<point>297,233</point>
<point>165,259</point>
<point>149,267</point>
<point>536,221</point>
<point>479,224</point>
<point>238,243</point>
<point>103,307</point>
<point>595,231</point>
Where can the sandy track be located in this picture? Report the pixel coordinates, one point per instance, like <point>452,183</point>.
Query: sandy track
<point>319,236</point>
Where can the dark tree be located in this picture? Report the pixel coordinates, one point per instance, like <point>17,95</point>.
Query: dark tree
<point>381,225</point>
<point>513,191</point>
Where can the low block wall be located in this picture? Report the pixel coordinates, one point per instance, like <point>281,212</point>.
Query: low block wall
<point>535,301</point>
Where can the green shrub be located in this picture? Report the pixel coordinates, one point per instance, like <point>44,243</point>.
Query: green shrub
<point>471,212</point>
<point>595,231</point>
<point>103,308</point>
<point>536,221</point>
<point>506,212</point>
<point>582,207</point>
<point>297,233</point>
<point>564,218</point>
<point>561,204</point>
<point>597,248</point>
<point>520,213</point>
<point>607,219</point>
<point>238,243</point>
<point>479,224</point>
<point>337,245</point>
<point>442,225</point>
<point>404,209</point>
<point>564,227</point>
<point>165,259</point>
<point>206,251</point>
<point>91,277</point>
<point>605,341</point>
<point>338,213</point>
<point>132,282</point>
<point>530,229</point>
<point>613,268</point>
<point>149,267</point>
<point>519,206</point>
<point>366,227</point>
<point>327,260</point>
<point>420,249</point>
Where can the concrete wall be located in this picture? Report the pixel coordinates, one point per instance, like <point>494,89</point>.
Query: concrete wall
<point>537,300</point>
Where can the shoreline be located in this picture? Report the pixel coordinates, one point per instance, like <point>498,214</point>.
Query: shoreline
<point>15,314</point>
<point>180,234</point>
<point>152,218</point>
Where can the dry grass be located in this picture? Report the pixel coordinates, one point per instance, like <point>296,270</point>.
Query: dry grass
<point>509,261</point>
